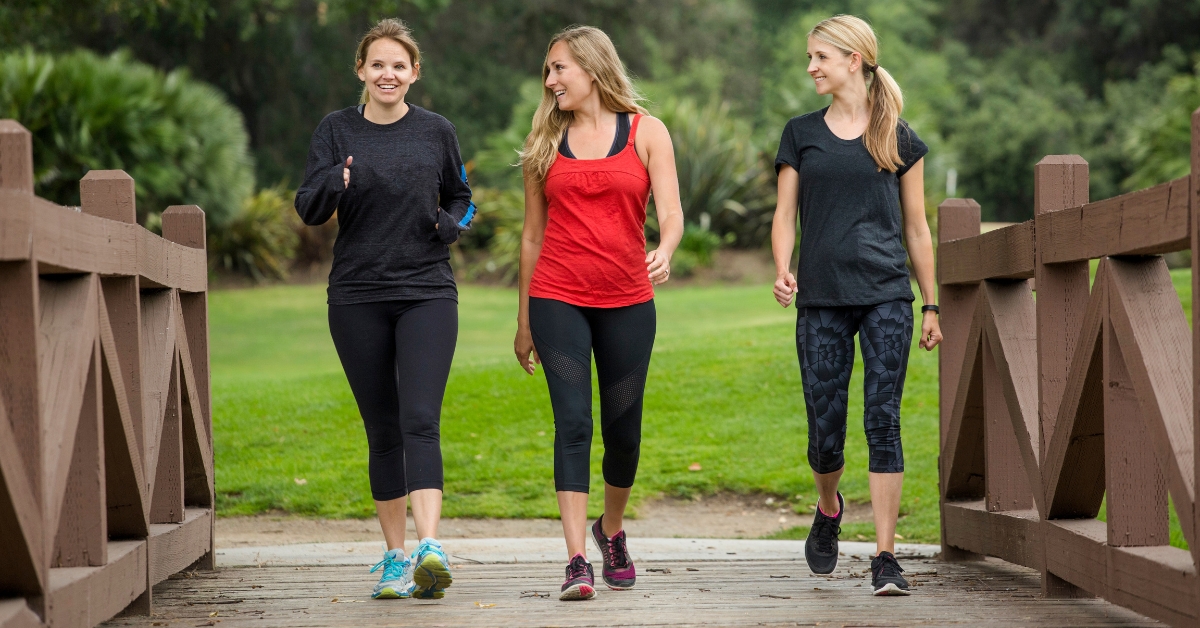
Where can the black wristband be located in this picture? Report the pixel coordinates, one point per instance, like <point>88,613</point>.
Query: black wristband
<point>930,308</point>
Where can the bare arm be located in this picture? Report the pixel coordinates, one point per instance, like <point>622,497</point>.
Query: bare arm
<point>531,248</point>
<point>654,147</point>
<point>920,248</point>
<point>783,233</point>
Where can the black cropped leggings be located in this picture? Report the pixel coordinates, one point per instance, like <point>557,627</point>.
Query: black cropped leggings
<point>825,344</point>
<point>397,356</point>
<point>621,338</point>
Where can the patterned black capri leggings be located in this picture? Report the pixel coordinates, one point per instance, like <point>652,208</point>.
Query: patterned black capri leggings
<point>825,344</point>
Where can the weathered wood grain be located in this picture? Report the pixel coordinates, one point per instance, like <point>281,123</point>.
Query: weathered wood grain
<point>1005,253</point>
<point>1014,535</point>
<point>158,351</point>
<point>123,313</point>
<point>165,264</point>
<point>82,537</point>
<point>16,157</point>
<point>1073,467</point>
<point>1007,485</point>
<point>16,224</point>
<point>1194,205</point>
<point>962,459</point>
<point>1154,220</point>
<point>1076,553</point>
<point>166,503</point>
<point>67,241</point>
<point>175,546</point>
<point>1136,496</point>
<point>1157,581</point>
<point>20,519</point>
<point>126,491</point>
<point>19,310</point>
<point>1152,333</point>
<point>86,596</point>
<point>197,432</point>
<point>731,594</point>
<point>108,194</point>
<point>1009,325</point>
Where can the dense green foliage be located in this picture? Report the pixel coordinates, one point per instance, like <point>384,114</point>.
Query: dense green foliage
<point>992,86</point>
<point>179,138</point>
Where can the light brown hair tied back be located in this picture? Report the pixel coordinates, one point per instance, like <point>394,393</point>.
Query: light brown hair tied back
<point>389,28</point>
<point>850,34</point>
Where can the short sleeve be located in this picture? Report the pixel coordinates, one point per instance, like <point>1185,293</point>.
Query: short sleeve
<point>789,152</point>
<point>912,149</point>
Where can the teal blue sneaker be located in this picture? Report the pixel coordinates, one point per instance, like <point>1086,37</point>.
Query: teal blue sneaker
<point>431,571</point>
<point>396,582</point>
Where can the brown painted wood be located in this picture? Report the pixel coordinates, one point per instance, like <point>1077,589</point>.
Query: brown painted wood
<point>173,547</point>
<point>1194,205</point>
<point>1159,582</point>
<point>16,157</point>
<point>1059,182</point>
<point>197,438</point>
<point>68,241</point>
<point>164,264</point>
<point>1005,253</point>
<point>1010,325</point>
<point>15,613</point>
<point>1073,468</point>
<point>1076,554</point>
<point>158,351</point>
<point>1154,220</point>
<point>82,538</point>
<point>1153,336</point>
<point>16,225</point>
<point>1136,502</point>
<point>1005,479</point>
<point>68,329</point>
<point>108,194</point>
<point>962,461</point>
<point>123,311</point>
<point>20,519</point>
<point>126,489</point>
<point>18,352</point>
<point>166,505</point>
<point>184,224</point>
<point>86,596</point>
<point>1014,535</point>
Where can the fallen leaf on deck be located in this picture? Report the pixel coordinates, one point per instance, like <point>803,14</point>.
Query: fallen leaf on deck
<point>483,605</point>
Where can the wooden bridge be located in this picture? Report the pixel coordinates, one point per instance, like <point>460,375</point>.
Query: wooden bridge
<point>1053,409</point>
<point>106,472</point>
<point>1078,401</point>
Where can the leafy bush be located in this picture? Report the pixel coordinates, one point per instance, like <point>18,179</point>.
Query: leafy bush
<point>696,249</point>
<point>496,230</point>
<point>180,139</point>
<point>259,241</point>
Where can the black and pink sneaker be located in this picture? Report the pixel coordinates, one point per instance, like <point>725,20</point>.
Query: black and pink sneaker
<point>618,570</point>
<point>580,584</point>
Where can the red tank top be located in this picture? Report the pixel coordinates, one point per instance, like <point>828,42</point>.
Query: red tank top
<point>594,249</point>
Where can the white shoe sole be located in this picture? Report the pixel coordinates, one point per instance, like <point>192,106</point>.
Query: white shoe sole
<point>891,589</point>
<point>577,592</point>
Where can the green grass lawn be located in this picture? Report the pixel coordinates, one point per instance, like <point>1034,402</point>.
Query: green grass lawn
<point>724,391</point>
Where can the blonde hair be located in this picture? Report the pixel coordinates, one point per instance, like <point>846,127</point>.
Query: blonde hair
<point>388,28</point>
<point>850,34</point>
<point>595,53</point>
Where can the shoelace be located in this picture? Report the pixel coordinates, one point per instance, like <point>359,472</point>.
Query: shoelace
<point>826,530</point>
<point>576,569</point>
<point>887,567</point>
<point>617,556</point>
<point>392,568</point>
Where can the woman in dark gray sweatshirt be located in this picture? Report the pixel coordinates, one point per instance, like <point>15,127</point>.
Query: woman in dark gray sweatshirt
<point>393,173</point>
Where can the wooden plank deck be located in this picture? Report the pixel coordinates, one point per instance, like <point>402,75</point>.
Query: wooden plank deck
<point>990,593</point>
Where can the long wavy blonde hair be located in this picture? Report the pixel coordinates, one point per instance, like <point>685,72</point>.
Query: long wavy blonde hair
<point>595,53</point>
<point>850,34</point>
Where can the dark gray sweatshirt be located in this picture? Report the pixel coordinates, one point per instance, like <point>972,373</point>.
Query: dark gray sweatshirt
<point>407,176</point>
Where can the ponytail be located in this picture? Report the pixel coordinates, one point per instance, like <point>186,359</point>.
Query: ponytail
<point>850,34</point>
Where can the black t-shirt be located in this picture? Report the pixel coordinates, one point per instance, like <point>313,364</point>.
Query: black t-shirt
<point>850,222</point>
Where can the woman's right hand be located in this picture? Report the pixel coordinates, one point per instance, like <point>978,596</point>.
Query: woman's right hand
<point>785,288</point>
<point>346,171</point>
<point>523,347</point>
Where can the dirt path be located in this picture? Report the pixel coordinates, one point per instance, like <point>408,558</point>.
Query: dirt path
<point>719,516</point>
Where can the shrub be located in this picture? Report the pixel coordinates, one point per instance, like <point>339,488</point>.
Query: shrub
<point>259,241</point>
<point>696,249</point>
<point>180,139</point>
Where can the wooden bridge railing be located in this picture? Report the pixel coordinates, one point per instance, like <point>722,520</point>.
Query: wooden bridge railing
<point>1081,399</point>
<point>106,473</point>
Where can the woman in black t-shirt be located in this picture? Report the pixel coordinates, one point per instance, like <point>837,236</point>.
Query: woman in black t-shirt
<point>854,170</point>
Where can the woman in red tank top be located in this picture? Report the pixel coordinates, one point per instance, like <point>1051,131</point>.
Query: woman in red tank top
<point>586,280</point>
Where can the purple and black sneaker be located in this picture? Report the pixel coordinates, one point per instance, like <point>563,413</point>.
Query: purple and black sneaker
<point>618,570</point>
<point>580,584</point>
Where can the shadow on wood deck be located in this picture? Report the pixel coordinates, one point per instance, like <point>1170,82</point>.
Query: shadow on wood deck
<point>780,592</point>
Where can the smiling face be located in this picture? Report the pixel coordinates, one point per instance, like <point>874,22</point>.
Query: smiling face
<point>566,79</point>
<point>830,68</point>
<point>388,71</point>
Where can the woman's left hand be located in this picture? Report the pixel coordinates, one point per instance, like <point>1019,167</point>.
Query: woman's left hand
<point>658,264</point>
<point>931,331</point>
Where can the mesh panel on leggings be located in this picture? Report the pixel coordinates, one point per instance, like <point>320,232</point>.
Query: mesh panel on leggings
<point>618,398</point>
<point>566,368</point>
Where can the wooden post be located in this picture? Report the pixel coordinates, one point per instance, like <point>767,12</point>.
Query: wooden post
<point>16,157</point>
<point>1194,226</point>
<point>1059,182</point>
<point>108,194</point>
<point>957,218</point>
